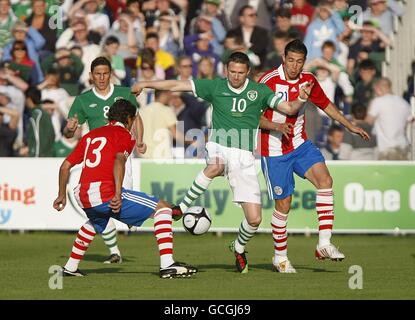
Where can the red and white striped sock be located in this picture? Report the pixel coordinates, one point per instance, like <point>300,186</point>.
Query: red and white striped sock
<point>164,235</point>
<point>279,233</point>
<point>84,237</point>
<point>325,212</point>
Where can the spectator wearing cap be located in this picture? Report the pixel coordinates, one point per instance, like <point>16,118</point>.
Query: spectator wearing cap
<point>383,12</point>
<point>77,35</point>
<point>97,21</point>
<point>390,114</point>
<point>69,68</point>
<point>327,25</point>
<point>213,8</point>
<point>353,147</point>
<point>39,20</point>
<point>34,43</point>
<point>255,37</point>
<point>7,20</point>
<point>301,15</point>
<point>8,128</point>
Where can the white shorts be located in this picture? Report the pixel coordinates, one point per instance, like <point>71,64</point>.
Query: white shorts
<point>128,176</point>
<point>239,170</point>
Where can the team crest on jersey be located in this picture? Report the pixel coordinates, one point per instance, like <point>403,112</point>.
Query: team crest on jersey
<point>117,98</point>
<point>92,105</point>
<point>278,190</point>
<point>252,95</point>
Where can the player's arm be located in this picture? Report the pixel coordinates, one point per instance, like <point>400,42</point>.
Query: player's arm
<point>172,85</point>
<point>64,172</point>
<point>119,171</point>
<point>335,114</point>
<point>139,132</point>
<point>284,128</point>
<point>292,107</point>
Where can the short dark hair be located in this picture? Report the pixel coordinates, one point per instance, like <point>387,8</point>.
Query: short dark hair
<point>239,57</point>
<point>34,94</point>
<point>359,111</point>
<point>329,44</point>
<point>283,13</point>
<point>152,35</point>
<point>296,46</point>
<point>242,10</point>
<point>111,40</point>
<point>281,35</point>
<point>367,65</point>
<point>100,61</point>
<point>334,128</point>
<point>121,110</point>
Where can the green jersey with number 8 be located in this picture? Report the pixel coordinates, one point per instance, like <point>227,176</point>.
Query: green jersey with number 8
<point>93,108</point>
<point>236,112</point>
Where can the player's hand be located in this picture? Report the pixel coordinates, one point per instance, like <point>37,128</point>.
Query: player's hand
<point>136,89</point>
<point>60,203</point>
<point>305,90</point>
<point>284,128</point>
<point>141,147</point>
<point>72,124</point>
<point>362,133</point>
<point>115,203</point>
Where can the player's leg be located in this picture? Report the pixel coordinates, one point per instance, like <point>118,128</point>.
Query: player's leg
<point>243,180</point>
<point>110,233</point>
<point>110,239</point>
<point>83,239</point>
<point>138,207</point>
<point>312,166</point>
<point>278,173</point>
<point>215,167</point>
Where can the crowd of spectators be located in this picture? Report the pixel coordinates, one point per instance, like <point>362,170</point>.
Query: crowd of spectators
<point>46,48</point>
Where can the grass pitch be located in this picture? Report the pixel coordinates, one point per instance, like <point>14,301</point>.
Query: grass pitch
<point>388,265</point>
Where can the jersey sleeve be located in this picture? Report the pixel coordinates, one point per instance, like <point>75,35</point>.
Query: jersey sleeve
<point>318,97</point>
<point>270,99</point>
<point>133,100</point>
<point>125,143</point>
<point>77,155</point>
<point>204,88</point>
<point>76,109</point>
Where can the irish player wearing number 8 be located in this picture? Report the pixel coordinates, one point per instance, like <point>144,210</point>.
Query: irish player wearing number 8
<point>103,153</point>
<point>92,107</point>
<point>238,104</point>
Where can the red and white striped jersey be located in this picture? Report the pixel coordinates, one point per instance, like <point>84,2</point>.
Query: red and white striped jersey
<point>97,151</point>
<point>274,143</point>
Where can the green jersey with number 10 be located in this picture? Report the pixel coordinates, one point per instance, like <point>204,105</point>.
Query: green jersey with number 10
<point>236,112</point>
<point>93,108</point>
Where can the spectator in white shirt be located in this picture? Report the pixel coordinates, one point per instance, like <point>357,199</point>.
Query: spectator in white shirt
<point>390,115</point>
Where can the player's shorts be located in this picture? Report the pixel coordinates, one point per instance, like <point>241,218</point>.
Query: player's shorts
<point>136,208</point>
<point>239,170</point>
<point>128,176</point>
<point>278,171</point>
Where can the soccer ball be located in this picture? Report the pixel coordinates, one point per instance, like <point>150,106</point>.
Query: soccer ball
<point>196,220</point>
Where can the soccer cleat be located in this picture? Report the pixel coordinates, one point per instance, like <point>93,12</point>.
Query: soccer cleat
<point>283,266</point>
<point>176,213</point>
<point>76,273</point>
<point>177,270</point>
<point>241,262</point>
<point>328,252</point>
<point>114,258</point>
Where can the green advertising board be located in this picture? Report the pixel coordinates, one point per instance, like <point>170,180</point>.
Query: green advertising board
<point>369,197</point>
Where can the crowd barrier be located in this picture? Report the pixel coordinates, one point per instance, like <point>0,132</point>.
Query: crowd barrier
<point>370,197</point>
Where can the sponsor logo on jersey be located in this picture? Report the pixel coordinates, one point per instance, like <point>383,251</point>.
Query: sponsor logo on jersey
<point>278,190</point>
<point>93,105</point>
<point>252,95</point>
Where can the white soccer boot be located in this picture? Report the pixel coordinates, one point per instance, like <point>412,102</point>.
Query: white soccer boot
<point>329,252</point>
<point>283,266</point>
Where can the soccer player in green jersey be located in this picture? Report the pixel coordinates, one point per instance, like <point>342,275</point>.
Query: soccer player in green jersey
<point>238,104</point>
<point>92,107</point>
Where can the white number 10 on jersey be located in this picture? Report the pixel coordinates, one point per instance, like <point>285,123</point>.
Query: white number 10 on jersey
<point>240,106</point>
